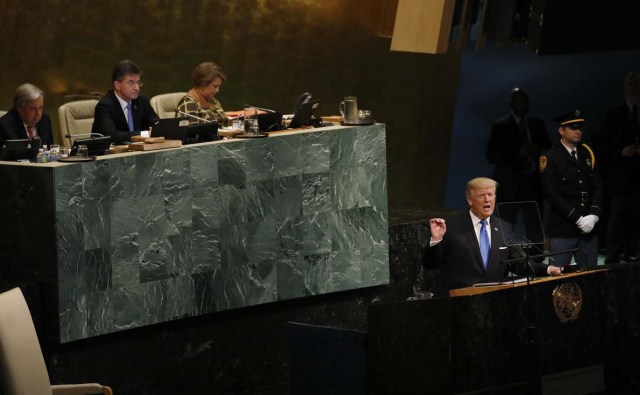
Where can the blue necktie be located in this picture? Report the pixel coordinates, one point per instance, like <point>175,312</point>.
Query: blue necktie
<point>485,247</point>
<point>130,117</point>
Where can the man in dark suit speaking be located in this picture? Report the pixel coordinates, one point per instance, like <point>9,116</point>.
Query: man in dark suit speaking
<point>26,119</point>
<point>122,112</point>
<point>469,247</point>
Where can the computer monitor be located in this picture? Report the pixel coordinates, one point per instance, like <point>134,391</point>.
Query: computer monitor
<point>95,145</point>
<point>21,149</point>
<point>269,121</point>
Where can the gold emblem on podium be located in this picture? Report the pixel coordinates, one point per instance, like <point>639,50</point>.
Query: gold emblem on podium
<point>567,301</point>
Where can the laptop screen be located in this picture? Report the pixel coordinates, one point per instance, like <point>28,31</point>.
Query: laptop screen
<point>170,128</point>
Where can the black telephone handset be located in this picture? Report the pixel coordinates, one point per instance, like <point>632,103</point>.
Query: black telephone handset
<point>305,97</point>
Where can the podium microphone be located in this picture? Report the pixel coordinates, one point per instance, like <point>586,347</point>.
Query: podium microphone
<point>194,117</point>
<point>261,109</point>
<point>84,135</point>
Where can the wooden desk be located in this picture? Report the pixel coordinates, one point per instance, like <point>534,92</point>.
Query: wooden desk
<point>480,290</point>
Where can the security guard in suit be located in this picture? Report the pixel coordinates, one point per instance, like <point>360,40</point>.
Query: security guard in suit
<point>572,185</point>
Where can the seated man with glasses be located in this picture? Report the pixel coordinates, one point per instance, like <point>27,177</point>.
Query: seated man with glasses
<point>122,112</point>
<point>26,119</point>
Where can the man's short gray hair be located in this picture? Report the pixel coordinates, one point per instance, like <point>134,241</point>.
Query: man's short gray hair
<point>24,93</point>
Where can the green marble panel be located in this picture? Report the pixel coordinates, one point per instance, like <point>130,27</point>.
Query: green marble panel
<point>318,274</point>
<point>151,237</point>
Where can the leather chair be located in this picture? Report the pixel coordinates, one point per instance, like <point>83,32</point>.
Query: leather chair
<point>22,366</point>
<point>165,105</point>
<point>2,112</point>
<point>76,117</point>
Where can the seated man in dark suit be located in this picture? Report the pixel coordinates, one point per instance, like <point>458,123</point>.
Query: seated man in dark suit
<point>122,112</point>
<point>26,119</point>
<point>469,248</point>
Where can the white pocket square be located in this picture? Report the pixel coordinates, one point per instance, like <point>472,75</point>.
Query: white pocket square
<point>502,248</point>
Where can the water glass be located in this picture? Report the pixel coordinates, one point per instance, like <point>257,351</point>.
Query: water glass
<point>420,295</point>
<point>364,116</point>
<point>237,123</point>
<point>251,121</point>
<point>83,151</point>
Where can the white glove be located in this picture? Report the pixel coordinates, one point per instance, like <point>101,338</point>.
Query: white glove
<point>580,222</point>
<point>588,223</point>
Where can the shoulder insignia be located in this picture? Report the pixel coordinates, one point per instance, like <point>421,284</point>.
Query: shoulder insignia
<point>543,163</point>
<point>593,157</point>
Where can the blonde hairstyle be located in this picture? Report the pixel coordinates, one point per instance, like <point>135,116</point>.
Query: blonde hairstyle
<point>480,182</point>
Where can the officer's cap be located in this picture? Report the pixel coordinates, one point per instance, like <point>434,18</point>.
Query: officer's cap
<point>570,118</point>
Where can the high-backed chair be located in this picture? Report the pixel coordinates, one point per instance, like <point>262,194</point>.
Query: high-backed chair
<point>76,117</point>
<point>165,105</point>
<point>22,366</point>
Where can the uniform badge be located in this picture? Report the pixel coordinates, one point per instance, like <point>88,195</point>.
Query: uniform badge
<point>589,162</point>
<point>543,163</point>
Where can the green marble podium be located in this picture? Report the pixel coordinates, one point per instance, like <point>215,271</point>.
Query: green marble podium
<point>150,237</point>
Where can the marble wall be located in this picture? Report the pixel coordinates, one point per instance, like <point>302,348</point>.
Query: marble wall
<point>153,237</point>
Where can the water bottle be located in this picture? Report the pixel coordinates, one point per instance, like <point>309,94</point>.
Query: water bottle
<point>55,152</point>
<point>40,158</point>
<point>47,153</point>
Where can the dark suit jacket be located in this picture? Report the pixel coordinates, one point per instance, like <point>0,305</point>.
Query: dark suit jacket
<point>617,133</point>
<point>109,118</point>
<point>502,151</point>
<point>12,128</point>
<point>458,255</point>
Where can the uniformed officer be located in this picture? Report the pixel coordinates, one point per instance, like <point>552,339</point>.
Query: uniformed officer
<point>572,185</point>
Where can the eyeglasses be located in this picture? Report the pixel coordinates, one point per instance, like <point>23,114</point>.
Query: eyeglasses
<point>35,109</point>
<point>131,83</point>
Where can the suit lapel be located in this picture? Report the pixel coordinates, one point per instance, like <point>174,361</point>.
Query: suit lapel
<point>496,241</point>
<point>20,132</point>
<point>119,113</point>
<point>472,239</point>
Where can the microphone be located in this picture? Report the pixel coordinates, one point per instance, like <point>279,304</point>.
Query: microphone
<point>261,109</point>
<point>547,254</point>
<point>194,117</point>
<point>84,135</point>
